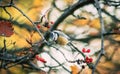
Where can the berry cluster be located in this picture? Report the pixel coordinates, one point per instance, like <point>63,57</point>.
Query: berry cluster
<point>85,50</point>
<point>87,59</point>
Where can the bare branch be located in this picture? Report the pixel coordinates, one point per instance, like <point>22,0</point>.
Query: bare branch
<point>8,13</point>
<point>30,21</point>
<point>102,52</point>
<point>69,11</point>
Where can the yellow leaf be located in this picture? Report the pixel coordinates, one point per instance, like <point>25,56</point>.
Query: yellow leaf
<point>86,71</point>
<point>95,23</point>
<point>74,69</point>
<point>116,37</point>
<point>16,70</point>
<point>105,68</point>
<point>81,22</point>
<point>19,37</point>
<point>38,2</point>
<point>69,2</point>
<point>107,65</point>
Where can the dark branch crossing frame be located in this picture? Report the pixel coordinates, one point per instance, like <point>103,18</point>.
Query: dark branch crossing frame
<point>8,59</point>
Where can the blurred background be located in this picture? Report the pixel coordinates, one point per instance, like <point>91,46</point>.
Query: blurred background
<point>83,28</point>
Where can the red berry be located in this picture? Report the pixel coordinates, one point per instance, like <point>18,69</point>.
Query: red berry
<point>83,50</point>
<point>87,61</point>
<point>48,26</point>
<point>88,51</point>
<point>37,57</point>
<point>38,26</point>
<point>87,58</point>
<point>90,59</point>
<point>52,22</point>
<point>40,59</point>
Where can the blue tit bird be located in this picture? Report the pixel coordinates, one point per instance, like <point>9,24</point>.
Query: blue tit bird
<point>59,37</point>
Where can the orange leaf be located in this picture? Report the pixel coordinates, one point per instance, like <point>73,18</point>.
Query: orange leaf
<point>81,22</point>
<point>74,69</point>
<point>95,23</point>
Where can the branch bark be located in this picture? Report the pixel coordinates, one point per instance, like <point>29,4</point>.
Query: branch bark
<point>69,11</point>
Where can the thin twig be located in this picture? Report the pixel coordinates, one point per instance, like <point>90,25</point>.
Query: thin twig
<point>30,21</point>
<point>8,13</point>
<point>112,16</point>
<point>59,63</point>
<point>54,5</point>
<point>61,53</point>
<point>13,5</point>
<point>69,11</point>
<point>102,35</point>
<point>112,3</point>
<point>89,65</point>
<point>66,13</point>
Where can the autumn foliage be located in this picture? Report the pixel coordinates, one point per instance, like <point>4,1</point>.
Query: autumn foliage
<point>59,37</point>
<point>6,28</point>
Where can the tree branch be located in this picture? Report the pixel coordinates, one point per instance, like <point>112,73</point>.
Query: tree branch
<point>102,35</point>
<point>112,16</point>
<point>69,11</point>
